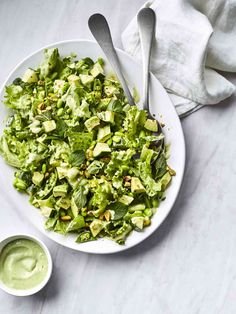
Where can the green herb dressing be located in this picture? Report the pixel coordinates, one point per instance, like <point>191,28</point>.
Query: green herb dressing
<point>23,264</point>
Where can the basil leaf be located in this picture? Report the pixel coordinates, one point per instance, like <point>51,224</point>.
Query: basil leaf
<point>61,128</point>
<point>119,209</point>
<point>77,158</point>
<point>79,197</point>
<point>160,166</point>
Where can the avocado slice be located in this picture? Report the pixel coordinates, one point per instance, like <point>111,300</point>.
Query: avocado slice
<point>104,133</point>
<point>64,203</point>
<point>37,178</point>
<point>46,211</point>
<point>101,148</point>
<point>62,172</point>
<point>97,69</point>
<point>125,199</point>
<point>30,76</point>
<point>136,185</point>
<point>86,79</point>
<point>151,125</point>
<point>60,190</point>
<point>91,123</point>
<point>137,207</point>
<point>96,227</point>
<point>107,116</point>
<point>138,222</point>
<point>72,173</point>
<point>49,126</point>
<point>73,79</point>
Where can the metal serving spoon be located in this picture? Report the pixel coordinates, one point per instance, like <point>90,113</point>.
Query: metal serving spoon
<point>99,28</point>
<point>146,25</point>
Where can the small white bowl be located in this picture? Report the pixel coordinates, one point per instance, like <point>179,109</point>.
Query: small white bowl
<point>22,293</point>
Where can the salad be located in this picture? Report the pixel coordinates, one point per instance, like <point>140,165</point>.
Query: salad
<point>91,163</point>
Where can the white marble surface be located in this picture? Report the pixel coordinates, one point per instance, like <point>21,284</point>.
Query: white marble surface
<point>189,265</point>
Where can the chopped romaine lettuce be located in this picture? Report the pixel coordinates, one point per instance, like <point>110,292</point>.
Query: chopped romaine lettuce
<point>82,153</point>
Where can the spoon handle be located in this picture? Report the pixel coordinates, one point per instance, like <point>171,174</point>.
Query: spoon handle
<point>99,28</point>
<point>146,24</point>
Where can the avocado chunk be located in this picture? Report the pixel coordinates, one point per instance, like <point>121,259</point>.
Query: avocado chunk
<point>73,79</point>
<point>37,178</point>
<point>125,199</point>
<point>62,172</point>
<point>138,222</point>
<point>46,211</point>
<point>107,116</point>
<point>60,190</point>
<point>49,126</point>
<point>151,125</point>
<point>72,173</point>
<point>136,185</point>
<point>63,203</point>
<point>91,123</point>
<point>86,79</point>
<point>30,76</point>
<point>101,148</point>
<point>104,133</point>
<point>97,69</point>
<point>137,207</point>
<point>96,227</point>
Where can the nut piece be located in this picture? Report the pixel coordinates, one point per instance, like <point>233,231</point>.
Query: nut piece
<point>171,171</point>
<point>146,222</point>
<point>41,83</point>
<point>41,106</point>
<point>101,216</point>
<point>127,178</point>
<point>66,218</point>
<point>107,215</point>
